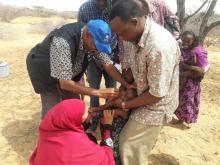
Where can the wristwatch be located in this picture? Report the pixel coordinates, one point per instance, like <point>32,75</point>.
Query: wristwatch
<point>109,142</point>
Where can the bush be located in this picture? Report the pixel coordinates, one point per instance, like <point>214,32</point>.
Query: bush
<point>212,41</point>
<point>8,13</point>
<point>45,27</point>
<point>40,11</point>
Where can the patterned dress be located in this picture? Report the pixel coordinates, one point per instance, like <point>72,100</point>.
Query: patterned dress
<point>118,125</point>
<point>188,109</point>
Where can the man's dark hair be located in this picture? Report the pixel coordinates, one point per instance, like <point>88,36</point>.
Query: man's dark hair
<point>128,9</point>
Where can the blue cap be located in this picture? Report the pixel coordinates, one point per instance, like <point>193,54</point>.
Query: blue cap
<point>101,33</point>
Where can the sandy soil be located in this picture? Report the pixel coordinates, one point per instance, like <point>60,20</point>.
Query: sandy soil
<point>20,110</point>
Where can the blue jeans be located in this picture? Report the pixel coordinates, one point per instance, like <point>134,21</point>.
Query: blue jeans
<point>95,75</point>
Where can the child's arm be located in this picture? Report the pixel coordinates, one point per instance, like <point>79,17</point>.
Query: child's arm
<point>121,113</point>
<point>100,108</point>
<point>107,106</point>
<point>192,61</point>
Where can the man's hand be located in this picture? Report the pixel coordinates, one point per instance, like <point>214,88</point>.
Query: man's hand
<point>108,117</point>
<point>108,93</point>
<point>132,86</point>
<point>75,87</point>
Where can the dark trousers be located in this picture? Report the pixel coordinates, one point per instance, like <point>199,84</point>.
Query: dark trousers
<point>50,99</point>
<point>95,76</point>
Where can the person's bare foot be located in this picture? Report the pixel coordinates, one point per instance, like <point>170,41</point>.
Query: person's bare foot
<point>176,121</point>
<point>188,125</point>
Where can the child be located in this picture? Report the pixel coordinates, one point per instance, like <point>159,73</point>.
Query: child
<point>198,57</point>
<point>201,54</point>
<point>120,117</point>
<point>124,95</point>
<point>194,59</point>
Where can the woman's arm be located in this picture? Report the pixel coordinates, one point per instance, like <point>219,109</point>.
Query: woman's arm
<point>100,108</point>
<point>108,117</point>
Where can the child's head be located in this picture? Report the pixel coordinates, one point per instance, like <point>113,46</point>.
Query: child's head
<point>127,94</point>
<point>198,41</point>
<point>130,94</point>
<point>188,39</point>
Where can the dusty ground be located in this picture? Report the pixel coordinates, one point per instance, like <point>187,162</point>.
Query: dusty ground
<point>20,107</point>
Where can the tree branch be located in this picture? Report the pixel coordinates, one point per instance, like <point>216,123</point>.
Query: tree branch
<point>210,27</point>
<point>181,11</point>
<point>204,3</point>
<point>206,18</point>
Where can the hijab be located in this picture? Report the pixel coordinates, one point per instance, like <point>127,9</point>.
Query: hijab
<point>62,140</point>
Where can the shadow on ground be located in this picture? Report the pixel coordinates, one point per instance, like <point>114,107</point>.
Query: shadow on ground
<point>22,136</point>
<point>176,124</point>
<point>162,159</point>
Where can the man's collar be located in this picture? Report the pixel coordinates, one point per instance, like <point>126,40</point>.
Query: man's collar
<point>144,37</point>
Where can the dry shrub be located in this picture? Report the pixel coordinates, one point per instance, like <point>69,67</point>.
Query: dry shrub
<point>212,41</point>
<point>45,27</point>
<point>8,13</point>
<point>40,11</point>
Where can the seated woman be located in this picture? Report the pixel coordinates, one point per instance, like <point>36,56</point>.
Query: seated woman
<point>62,140</point>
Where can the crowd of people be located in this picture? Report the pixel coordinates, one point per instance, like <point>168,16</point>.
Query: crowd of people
<point>160,75</point>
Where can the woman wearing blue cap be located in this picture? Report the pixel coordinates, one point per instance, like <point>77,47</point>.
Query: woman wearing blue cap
<point>58,63</point>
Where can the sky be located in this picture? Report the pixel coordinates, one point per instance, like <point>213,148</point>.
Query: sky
<point>60,5</point>
<point>73,5</point>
